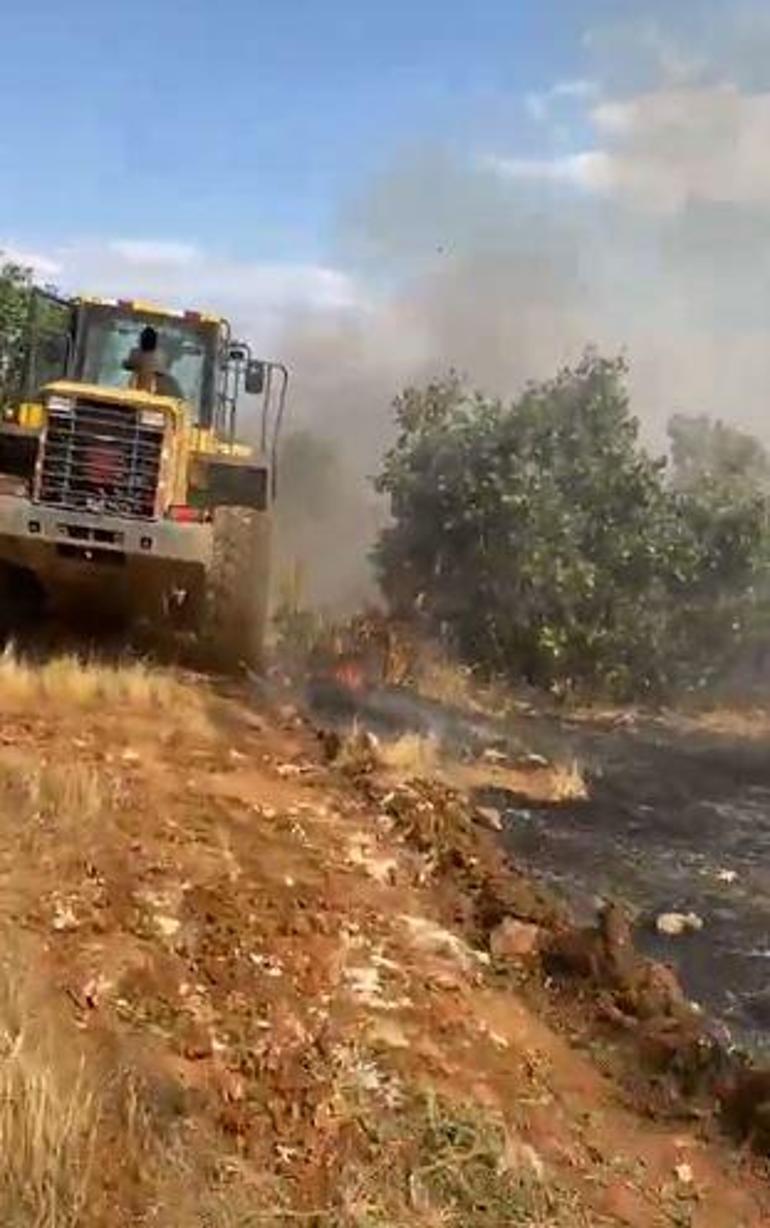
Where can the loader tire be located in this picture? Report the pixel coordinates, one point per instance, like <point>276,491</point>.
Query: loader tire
<point>237,589</point>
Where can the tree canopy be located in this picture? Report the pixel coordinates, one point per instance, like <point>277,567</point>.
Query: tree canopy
<point>543,541</point>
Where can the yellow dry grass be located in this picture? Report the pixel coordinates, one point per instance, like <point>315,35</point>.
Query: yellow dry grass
<point>49,1117</point>
<point>554,782</point>
<point>74,791</point>
<point>62,795</point>
<point>445,681</point>
<point>568,782</point>
<point>451,683</point>
<point>412,755</point>
<point>81,685</point>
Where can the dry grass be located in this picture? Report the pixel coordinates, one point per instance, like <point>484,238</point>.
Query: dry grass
<point>49,1117</point>
<point>77,683</point>
<point>412,755</point>
<point>567,782</point>
<point>436,1163</point>
<point>75,792</point>
<point>446,682</point>
<point>65,797</point>
<point>557,783</point>
<point>451,683</point>
<point>409,757</point>
<point>75,686</point>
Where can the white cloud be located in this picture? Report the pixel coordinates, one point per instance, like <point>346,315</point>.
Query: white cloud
<point>154,251</point>
<point>256,295</point>
<point>40,264</point>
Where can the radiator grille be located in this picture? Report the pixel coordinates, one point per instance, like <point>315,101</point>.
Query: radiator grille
<point>101,458</point>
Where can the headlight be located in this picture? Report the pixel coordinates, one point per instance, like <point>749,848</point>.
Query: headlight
<point>152,417</point>
<point>60,405</point>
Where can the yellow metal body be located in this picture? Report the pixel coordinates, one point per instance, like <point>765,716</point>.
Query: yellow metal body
<point>147,309</point>
<point>187,447</point>
<point>184,443</point>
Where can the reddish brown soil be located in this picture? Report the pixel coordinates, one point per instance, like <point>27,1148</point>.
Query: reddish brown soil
<point>241,918</point>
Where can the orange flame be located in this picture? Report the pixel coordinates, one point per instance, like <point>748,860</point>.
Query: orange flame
<point>350,674</point>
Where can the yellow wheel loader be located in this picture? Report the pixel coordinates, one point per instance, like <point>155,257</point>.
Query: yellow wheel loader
<point>122,484</point>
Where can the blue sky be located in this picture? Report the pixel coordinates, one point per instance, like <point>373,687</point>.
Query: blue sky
<point>244,124</point>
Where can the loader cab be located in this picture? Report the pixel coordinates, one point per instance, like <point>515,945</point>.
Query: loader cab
<point>106,335</point>
<point>90,341</point>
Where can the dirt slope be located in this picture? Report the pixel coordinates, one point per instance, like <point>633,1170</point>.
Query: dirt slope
<point>230,997</point>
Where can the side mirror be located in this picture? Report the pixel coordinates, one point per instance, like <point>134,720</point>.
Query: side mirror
<point>254,379</point>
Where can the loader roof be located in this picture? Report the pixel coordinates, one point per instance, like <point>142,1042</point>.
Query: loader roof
<point>141,306</point>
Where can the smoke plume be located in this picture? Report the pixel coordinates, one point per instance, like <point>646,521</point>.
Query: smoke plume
<point>643,227</point>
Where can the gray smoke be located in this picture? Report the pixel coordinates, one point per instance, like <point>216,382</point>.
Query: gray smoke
<point>650,235</point>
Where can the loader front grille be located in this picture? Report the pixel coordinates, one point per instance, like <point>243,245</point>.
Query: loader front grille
<point>101,458</point>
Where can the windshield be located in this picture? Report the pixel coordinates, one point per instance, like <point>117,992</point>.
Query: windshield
<point>186,348</point>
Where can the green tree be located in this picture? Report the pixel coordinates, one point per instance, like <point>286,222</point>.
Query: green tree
<point>542,540</point>
<point>15,287</point>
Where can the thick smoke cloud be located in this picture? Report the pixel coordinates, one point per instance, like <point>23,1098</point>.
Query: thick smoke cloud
<point>651,235</point>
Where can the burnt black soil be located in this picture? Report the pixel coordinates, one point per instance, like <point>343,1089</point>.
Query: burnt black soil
<point>675,823</point>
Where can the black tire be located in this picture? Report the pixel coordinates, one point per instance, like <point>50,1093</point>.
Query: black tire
<point>237,589</point>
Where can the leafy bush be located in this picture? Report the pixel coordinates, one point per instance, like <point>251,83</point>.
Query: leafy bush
<point>542,541</point>
<point>15,283</point>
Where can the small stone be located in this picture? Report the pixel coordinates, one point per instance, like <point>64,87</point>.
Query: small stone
<point>167,926</point>
<point>64,918</point>
<point>196,1043</point>
<point>684,1174</point>
<point>727,876</point>
<point>674,924</point>
<point>534,760</point>
<point>515,940</point>
<point>130,756</point>
<point>489,816</point>
<point>491,755</point>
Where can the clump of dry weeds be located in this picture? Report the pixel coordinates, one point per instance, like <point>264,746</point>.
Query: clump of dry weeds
<point>412,755</point>
<point>49,1115</point>
<point>74,682</point>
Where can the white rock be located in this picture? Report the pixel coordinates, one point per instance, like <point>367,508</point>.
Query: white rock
<point>491,755</point>
<point>167,926</point>
<point>64,918</point>
<point>727,876</point>
<point>489,816</point>
<point>674,924</point>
